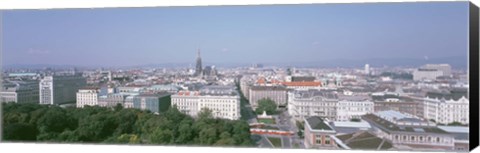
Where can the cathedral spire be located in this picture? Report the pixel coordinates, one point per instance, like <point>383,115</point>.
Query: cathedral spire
<point>198,67</point>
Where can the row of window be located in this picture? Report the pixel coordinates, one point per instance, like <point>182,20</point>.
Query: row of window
<point>420,139</point>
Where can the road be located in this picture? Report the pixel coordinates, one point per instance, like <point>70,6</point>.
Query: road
<point>287,123</point>
<point>264,143</point>
<point>284,122</point>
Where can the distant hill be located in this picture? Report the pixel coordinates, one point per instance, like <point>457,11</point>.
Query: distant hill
<point>455,62</point>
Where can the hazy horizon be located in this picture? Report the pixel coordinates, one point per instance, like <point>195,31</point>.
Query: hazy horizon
<point>315,34</point>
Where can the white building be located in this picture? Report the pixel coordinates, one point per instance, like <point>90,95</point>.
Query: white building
<point>303,104</point>
<point>407,131</point>
<point>113,99</point>
<point>87,96</point>
<point>426,74</point>
<point>223,101</point>
<point>60,89</point>
<point>445,68</point>
<point>367,69</point>
<point>446,111</point>
<point>350,107</point>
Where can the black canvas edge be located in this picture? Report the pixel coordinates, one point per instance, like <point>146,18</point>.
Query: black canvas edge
<point>473,76</point>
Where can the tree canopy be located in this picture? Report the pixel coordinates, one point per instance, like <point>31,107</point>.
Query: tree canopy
<point>267,105</point>
<point>48,123</point>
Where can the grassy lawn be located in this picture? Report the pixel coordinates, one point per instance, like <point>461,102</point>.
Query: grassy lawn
<point>266,120</point>
<point>275,141</point>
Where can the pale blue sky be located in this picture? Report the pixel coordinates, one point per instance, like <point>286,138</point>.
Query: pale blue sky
<point>235,34</point>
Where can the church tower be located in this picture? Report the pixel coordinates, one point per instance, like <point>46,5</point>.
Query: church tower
<point>198,66</point>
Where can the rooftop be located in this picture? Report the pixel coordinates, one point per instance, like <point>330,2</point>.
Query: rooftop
<point>389,126</point>
<point>454,94</point>
<point>309,83</point>
<point>153,94</point>
<point>316,93</point>
<point>354,97</point>
<point>365,140</point>
<point>276,88</point>
<point>317,123</point>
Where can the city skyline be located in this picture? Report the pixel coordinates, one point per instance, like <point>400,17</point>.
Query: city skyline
<point>286,34</point>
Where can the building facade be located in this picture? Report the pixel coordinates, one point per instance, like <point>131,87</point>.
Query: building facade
<point>406,131</point>
<point>303,104</point>
<point>318,134</point>
<point>198,66</point>
<point>426,74</point>
<point>407,107</point>
<point>223,101</point>
<point>60,89</point>
<point>353,107</point>
<point>20,92</point>
<point>155,103</point>
<point>276,93</point>
<point>87,96</point>
<point>112,100</point>
<point>445,68</point>
<point>447,111</point>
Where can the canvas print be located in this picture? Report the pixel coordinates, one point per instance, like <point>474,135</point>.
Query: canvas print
<point>360,76</point>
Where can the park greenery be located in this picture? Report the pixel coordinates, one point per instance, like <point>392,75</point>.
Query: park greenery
<point>49,123</point>
<point>267,105</point>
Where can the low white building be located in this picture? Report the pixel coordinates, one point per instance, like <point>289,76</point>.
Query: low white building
<point>447,111</point>
<point>407,131</point>
<point>350,107</point>
<point>303,104</point>
<point>87,96</point>
<point>223,101</point>
<point>426,74</point>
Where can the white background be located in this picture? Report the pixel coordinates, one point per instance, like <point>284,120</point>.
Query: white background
<point>87,148</point>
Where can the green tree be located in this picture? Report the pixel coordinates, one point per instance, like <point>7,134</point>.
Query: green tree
<point>96,128</point>
<point>54,120</point>
<point>124,138</point>
<point>20,131</point>
<point>162,136</point>
<point>49,123</point>
<point>186,133</point>
<point>208,136</point>
<point>455,124</point>
<point>225,140</point>
<point>205,114</point>
<point>267,105</point>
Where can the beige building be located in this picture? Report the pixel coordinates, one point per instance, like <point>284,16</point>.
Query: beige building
<point>87,96</point>
<point>223,101</point>
<point>303,104</point>
<point>276,93</point>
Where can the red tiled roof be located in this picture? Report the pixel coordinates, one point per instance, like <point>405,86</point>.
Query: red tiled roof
<point>261,81</point>
<point>302,83</point>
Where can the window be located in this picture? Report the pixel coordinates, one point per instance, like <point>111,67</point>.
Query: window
<point>327,140</point>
